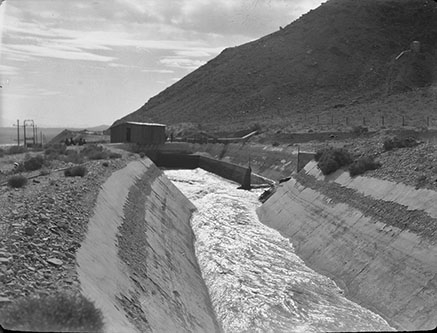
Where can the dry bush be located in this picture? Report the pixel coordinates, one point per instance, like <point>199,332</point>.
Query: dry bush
<point>54,313</point>
<point>362,165</point>
<point>33,163</point>
<point>395,142</point>
<point>114,155</point>
<point>16,150</point>
<point>72,156</point>
<point>54,151</point>
<point>76,171</point>
<point>17,181</point>
<point>95,152</point>
<point>330,160</point>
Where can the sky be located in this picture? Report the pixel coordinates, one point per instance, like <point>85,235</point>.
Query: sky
<point>84,63</point>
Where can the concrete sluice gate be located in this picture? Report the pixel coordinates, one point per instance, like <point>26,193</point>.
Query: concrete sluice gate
<point>145,268</point>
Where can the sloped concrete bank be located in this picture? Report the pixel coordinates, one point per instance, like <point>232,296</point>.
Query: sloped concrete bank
<point>376,239</point>
<point>137,262</point>
<point>266,161</point>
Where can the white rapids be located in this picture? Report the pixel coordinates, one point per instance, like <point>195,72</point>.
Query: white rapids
<point>256,281</point>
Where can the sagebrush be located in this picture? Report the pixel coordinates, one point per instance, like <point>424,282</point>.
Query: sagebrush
<point>34,163</point>
<point>330,160</point>
<point>396,142</point>
<point>17,181</point>
<point>76,171</point>
<point>58,312</point>
<point>362,165</point>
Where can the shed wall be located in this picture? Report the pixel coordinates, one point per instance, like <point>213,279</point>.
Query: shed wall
<point>141,134</point>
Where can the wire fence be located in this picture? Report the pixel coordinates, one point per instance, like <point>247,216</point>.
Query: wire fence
<point>380,121</point>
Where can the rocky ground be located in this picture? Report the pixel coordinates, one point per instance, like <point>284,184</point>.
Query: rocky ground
<point>415,166</point>
<point>42,226</point>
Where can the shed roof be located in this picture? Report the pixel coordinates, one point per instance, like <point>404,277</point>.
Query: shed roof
<point>139,123</point>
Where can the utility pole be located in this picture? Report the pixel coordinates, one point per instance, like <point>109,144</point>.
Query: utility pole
<point>18,132</point>
<point>33,133</point>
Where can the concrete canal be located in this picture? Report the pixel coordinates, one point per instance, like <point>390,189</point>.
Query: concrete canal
<point>256,281</point>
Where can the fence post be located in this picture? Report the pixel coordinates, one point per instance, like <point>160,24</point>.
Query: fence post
<point>427,121</point>
<point>403,120</point>
<point>364,120</point>
<point>298,153</point>
<point>382,120</point>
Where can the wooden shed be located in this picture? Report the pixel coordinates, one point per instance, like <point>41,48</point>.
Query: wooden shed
<point>141,133</point>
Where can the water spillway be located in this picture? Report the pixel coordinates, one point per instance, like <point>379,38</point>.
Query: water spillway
<point>255,279</point>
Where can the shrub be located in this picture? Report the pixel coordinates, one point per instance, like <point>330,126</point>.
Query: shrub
<point>72,156</point>
<point>142,154</point>
<point>44,172</point>
<point>114,155</point>
<point>94,152</point>
<point>332,159</point>
<point>16,150</point>
<point>34,163</point>
<point>105,164</point>
<point>100,155</point>
<point>318,155</point>
<point>275,144</point>
<point>362,165</point>
<point>55,151</point>
<point>396,142</point>
<point>58,312</point>
<point>17,181</point>
<point>76,171</point>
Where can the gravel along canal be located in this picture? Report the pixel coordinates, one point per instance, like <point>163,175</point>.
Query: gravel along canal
<point>256,281</point>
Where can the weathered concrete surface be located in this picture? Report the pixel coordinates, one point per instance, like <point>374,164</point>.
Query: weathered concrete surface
<point>268,161</point>
<point>420,199</point>
<point>169,295</point>
<point>387,269</point>
<point>225,169</point>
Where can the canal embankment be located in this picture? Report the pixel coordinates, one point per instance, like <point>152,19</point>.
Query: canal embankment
<point>375,238</point>
<point>137,262</point>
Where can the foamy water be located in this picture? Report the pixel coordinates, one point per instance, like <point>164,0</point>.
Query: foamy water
<point>256,281</point>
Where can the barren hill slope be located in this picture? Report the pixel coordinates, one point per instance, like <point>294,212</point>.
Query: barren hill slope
<point>337,55</point>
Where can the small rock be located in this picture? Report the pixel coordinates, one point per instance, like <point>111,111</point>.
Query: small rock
<point>4,300</point>
<point>55,261</point>
<point>4,254</point>
<point>5,260</point>
<point>29,231</point>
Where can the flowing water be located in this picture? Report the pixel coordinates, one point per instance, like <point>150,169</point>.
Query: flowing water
<point>256,281</point>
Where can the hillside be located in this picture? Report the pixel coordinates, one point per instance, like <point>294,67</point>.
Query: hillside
<point>333,66</point>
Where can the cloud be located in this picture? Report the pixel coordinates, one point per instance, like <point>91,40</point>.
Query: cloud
<point>52,51</point>
<point>251,18</point>
<point>8,70</point>
<point>184,63</point>
<point>160,71</point>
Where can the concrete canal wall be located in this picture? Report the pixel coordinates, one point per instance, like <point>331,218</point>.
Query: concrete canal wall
<point>137,262</point>
<point>375,238</point>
